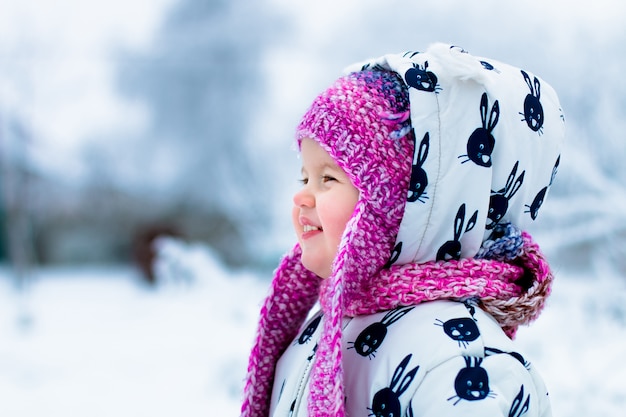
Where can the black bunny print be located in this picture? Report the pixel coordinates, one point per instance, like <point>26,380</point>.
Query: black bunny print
<point>481,142</point>
<point>386,402</point>
<point>410,54</point>
<point>489,67</point>
<point>499,200</point>
<point>452,248</point>
<point>470,305</point>
<point>312,355</point>
<point>282,389</point>
<point>533,110</point>
<point>395,254</point>
<point>472,382</point>
<point>292,408</point>
<point>519,406</point>
<point>459,49</point>
<point>486,65</point>
<point>420,78</point>
<point>517,356</point>
<point>555,169</point>
<point>534,207</point>
<point>375,67</point>
<point>419,179</point>
<point>370,339</point>
<point>462,329</point>
<point>308,332</point>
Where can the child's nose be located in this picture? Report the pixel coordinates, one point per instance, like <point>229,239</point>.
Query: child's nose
<point>303,198</point>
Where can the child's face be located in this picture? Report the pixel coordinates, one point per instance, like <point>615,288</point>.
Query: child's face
<point>322,208</point>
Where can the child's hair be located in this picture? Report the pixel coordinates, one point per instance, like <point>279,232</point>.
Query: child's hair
<point>452,155</point>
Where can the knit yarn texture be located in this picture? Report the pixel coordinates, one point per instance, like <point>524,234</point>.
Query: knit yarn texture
<point>513,292</point>
<point>362,121</point>
<point>431,222</point>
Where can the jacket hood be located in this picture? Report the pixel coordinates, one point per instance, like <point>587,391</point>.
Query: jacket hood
<point>488,138</point>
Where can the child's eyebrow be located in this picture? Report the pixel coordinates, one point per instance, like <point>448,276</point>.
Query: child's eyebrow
<point>330,165</point>
<point>322,166</point>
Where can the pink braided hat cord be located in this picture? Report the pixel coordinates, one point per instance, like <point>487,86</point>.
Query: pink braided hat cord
<point>292,294</point>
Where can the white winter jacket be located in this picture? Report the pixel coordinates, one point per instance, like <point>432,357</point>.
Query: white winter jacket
<point>440,358</point>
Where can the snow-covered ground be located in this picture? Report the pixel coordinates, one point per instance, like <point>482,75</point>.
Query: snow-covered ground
<point>97,342</point>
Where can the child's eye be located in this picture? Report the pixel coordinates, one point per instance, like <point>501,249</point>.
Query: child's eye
<point>323,179</point>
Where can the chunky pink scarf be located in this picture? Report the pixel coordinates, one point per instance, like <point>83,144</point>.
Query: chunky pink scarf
<point>513,292</point>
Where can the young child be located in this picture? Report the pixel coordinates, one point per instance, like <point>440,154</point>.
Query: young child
<point>420,171</point>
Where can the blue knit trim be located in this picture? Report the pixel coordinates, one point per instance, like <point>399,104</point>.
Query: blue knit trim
<point>504,244</point>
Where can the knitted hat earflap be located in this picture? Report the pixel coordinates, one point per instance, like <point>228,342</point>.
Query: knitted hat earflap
<point>327,390</point>
<point>293,292</point>
<point>361,122</point>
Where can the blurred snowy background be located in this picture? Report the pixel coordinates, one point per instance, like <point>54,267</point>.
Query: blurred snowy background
<point>122,121</point>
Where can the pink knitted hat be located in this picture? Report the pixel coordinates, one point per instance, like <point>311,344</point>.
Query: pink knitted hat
<point>436,178</point>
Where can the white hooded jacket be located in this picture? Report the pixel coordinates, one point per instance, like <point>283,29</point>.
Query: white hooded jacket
<point>480,149</point>
<point>440,358</point>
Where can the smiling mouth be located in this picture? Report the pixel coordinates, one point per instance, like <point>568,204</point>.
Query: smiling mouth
<point>308,228</point>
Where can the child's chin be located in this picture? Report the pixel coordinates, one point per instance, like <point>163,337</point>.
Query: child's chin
<point>316,266</point>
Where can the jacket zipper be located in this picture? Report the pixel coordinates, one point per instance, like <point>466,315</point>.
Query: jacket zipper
<point>302,385</point>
